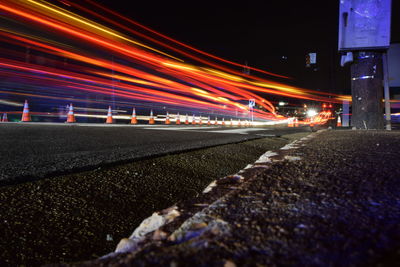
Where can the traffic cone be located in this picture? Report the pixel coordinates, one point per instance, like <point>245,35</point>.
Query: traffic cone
<point>109,116</point>
<point>231,122</point>
<point>178,119</point>
<point>296,122</point>
<point>151,120</point>
<point>5,119</point>
<point>71,116</point>
<point>312,122</point>
<point>239,123</point>
<point>193,120</point>
<point>187,119</point>
<point>339,122</point>
<point>167,121</point>
<point>290,122</point>
<point>200,120</point>
<point>25,114</point>
<point>133,119</point>
<point>216,121</point>
<point>208,121</point>
<point>223,121</point>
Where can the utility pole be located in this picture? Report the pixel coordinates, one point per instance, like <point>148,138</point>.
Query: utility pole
<point>367,93</point>
<point>364,35</point>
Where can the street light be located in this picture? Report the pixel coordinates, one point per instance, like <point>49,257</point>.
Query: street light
<point>311,113</point>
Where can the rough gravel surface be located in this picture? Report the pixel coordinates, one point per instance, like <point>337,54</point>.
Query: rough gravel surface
<point>83,216</point>
<point>333,202</point>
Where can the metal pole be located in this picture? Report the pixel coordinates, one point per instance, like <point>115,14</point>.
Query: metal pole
<point>367,93</point>
<point>386,92</point>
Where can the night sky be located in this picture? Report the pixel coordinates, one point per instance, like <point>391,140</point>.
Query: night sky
<point>271,35</point>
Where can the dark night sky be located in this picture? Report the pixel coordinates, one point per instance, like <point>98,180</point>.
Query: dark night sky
<point>259,32</point>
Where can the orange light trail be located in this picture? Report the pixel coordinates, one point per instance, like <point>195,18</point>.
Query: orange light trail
<point>78,58</point>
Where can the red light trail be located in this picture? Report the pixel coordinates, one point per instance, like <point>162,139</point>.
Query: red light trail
<point>68,56</point>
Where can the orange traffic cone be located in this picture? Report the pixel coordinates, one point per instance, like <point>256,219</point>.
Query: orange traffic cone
<point>187,119</point>
<point>133,119</point>
<point>5,119</point>
<point>223,121</point>
<point>290,122</point>
<point>151,120</point>
<point>109,116</point>
<point>193,120</point>
<point>312,122</point>
<point>25,114</point>
<point>178,119</point>
<point>200,120</point>
<point>231,122</point>
<point>216,121</point>
<point>167,120</point>
<point>339,122</point>
<point>296,122</point>
<point>71,116</point>
<point>208,121</point>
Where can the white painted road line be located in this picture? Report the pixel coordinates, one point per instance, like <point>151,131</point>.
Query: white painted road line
<point>240,131</point>
<point>181,128</point>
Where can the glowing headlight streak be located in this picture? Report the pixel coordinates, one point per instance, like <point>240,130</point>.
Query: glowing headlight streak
<point>103,29</point>
<point>177,42</point>
<point>219,87</point>
<point>134,53</point>
<point>168,46</point>
<point>94,62</point>
<point>117,91</point>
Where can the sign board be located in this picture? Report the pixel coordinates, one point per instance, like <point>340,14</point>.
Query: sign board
<point>364,24</point>
<point>313,58</point>
<point>252,103</point>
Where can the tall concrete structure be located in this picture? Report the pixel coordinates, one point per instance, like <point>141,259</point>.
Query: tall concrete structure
<point>367,91</point>
<point>364,31</point>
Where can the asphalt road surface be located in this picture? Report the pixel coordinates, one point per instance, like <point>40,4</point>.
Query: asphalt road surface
<point>83,215</point>
<point>30,151</point>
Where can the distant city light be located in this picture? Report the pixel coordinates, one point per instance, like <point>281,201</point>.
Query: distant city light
<point>311,113</point>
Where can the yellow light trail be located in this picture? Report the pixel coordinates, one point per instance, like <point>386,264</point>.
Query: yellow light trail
<point>100,28</point>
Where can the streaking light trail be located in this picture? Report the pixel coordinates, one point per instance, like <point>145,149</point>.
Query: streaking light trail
<point>56,56</point>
